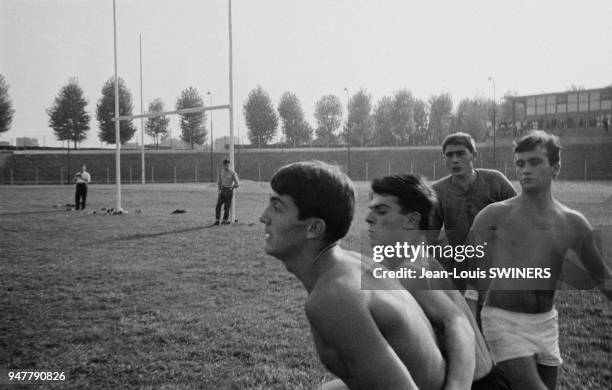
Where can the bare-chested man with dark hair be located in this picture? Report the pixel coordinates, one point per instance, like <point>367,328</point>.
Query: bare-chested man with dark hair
<point>371,333</point>
<point>532,230</point>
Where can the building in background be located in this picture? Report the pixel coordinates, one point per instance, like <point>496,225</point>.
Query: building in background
<point>25,142</point>
<point>558,112</point>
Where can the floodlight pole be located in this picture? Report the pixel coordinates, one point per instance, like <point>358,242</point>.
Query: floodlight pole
<point>142,148</point>
<point>348,134</point>
<point>231,105</point>
<point>117,138</point>
<point>493,80</point>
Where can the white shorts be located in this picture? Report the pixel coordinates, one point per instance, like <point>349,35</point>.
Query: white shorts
<point>512,335</point>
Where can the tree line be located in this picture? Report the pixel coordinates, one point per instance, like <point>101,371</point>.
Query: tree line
<point>399,119</point>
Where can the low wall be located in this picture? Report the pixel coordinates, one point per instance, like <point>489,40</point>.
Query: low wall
<point>579,162</point>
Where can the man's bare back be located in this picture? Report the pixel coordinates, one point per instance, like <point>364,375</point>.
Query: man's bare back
<point>398,322</point>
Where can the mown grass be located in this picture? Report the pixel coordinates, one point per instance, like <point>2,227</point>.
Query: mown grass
<point>161,300</point>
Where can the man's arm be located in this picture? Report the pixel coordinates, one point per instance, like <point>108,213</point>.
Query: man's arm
<point>457,333</point>
<point>591,257</point>
<point>235,179</point>
<point>481,234</point>
<point>345,325</point>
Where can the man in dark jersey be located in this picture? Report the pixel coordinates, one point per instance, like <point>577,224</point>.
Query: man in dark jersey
<point>463,193</point>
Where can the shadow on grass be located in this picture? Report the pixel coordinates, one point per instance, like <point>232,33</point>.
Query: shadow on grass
<point>141,236</point>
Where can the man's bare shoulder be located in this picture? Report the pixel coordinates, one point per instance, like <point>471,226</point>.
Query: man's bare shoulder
<point>495,211</point>
<point>575,218</point>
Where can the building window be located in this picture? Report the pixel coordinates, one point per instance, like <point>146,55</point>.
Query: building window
<point>572,102</point>
<point>541,105</point>
<point>531,106</point>
<point>606,104</point>
<point>583,101</point>
<point>550,104</point>
<point>562,108</point>
<point>594,106</point>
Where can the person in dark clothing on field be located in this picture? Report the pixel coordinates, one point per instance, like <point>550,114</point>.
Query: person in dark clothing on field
<point>82,178</point>
<point>228,180</point>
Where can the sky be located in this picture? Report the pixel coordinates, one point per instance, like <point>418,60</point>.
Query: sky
<point>309,47</point>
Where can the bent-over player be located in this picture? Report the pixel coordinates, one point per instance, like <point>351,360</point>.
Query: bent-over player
<point>375,337</point>
<point>532,230</point>
<point>400,212</point>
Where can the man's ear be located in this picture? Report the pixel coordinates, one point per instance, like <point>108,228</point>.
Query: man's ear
<point>316,228</point>
<point>412,220</point>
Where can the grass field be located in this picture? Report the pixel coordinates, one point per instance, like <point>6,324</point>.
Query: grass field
<point>161,300</point>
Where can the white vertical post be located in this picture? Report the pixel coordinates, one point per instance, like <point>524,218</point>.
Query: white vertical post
<point>117,138</point>
<point>231,104</point>
<point>142,156</point>
<point>259,173</point>
<point>411,170</point>
<point>366,171</point>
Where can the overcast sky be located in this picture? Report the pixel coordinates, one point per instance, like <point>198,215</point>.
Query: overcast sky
<point>310,47</point>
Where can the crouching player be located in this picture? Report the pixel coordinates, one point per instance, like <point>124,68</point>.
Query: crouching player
<point>376,337</point>
<point>400,212</point>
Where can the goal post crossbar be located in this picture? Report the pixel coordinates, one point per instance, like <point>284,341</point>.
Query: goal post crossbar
<point>180,112</point>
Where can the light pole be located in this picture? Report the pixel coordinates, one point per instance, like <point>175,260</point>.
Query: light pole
<point>494,109</point>
<point>212,179</point>
<point>348,134</point>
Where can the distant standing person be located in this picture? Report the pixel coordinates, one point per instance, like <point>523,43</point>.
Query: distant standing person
<point>82,178</point>
<point>463,193</point>
<point>228,180</point>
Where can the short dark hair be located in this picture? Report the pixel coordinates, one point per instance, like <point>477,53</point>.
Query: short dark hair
<point>319,190</point>
<point>459,138</point>
<point>536,138</point>
<point>412,193</point>
<point>226,161</point>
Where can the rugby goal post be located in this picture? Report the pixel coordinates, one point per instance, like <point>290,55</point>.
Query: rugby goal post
<point>191,110</point>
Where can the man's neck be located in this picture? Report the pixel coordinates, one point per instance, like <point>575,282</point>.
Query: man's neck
<point>466,179</point>
<point>538,200</point>
<point>310,263</point>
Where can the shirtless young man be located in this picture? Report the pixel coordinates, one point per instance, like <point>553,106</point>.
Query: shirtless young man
<point>533,229</point>
<point>375,337</point>
<point>400,211</point>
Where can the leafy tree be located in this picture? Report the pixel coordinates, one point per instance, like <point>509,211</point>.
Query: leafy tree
<point>295,129</point>
<point>157,126</point>
<point>193,126</point>
<point>360,120</point>
<point>472,116</point>
<point>328,113</point>
<point>440,110</point>
<point>105,112</point>
<point>420,122</point>
<point>6,109</point>
<point>402,116</point>
<point>260,117</point>
<point>67,115</point>
<point>383,126</point>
